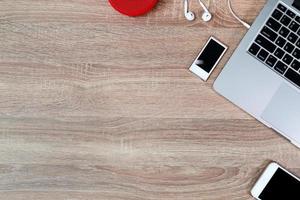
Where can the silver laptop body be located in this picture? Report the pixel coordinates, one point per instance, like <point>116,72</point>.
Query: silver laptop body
<point>262,81</point>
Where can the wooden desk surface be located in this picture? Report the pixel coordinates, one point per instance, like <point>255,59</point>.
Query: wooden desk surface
<point>95,105</point>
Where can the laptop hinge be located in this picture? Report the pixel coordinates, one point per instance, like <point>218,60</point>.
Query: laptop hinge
<point>296,4</point>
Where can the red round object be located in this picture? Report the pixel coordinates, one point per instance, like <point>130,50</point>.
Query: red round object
<point>133,7</point>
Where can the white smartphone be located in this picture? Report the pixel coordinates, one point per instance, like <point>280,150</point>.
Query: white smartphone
<point>208,58</point>
<point>276,183</point>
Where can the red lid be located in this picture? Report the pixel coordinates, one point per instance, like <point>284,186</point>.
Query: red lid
<point>133,7</point>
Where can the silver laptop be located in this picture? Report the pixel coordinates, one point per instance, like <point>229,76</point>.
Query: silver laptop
<point>263,75</point>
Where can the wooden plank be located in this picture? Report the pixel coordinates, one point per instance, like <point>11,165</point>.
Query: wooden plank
<point>96,105</point>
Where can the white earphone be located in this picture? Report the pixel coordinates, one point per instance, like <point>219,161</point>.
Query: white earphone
<point>206,16</point>
<point>190,16</point>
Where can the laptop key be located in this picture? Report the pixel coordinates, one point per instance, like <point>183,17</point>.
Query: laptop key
<point>295,65</point>
<point>268,33</point>
<point>292,38</point>
<point>281,7</point>
<point>262,55</point>
<point>254,49</point>
<point>290,13</point>
<point>298,43</point>
<point>273,24</point>
<point>289,47</point>
<point>277,14</point>
<point>269,46</point>
<point>297,19</point>
<point>294,26</point>
<point>279,53</point>
<point>296,54</point>
<point>280,41</point>
<point>280,67</point>
<point>287,59</point>
<point>285,20</point>
<point>293,76</point>
<point>284,31</point>
<point>271,61</point>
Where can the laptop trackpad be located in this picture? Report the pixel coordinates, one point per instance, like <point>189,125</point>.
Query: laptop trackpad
<point>283,112</point>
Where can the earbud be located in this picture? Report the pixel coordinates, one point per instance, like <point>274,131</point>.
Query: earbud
<point>189,15</point>
<point>206,16</point>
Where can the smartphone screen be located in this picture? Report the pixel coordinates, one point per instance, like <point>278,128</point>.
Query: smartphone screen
<point>210,55</point>
<point>281,186</point>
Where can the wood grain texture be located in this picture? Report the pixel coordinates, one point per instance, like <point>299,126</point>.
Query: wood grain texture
<point>96,105</point>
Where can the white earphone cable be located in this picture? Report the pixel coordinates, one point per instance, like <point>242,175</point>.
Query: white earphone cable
<point>203,6</point>
<point>236,17</point>
<point>191,14</point>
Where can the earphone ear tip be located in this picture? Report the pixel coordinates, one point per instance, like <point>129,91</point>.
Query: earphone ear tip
<point>190,16</point>
<point>206,16</point>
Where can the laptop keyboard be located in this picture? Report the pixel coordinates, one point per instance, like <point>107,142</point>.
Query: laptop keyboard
<point>277,45</point>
